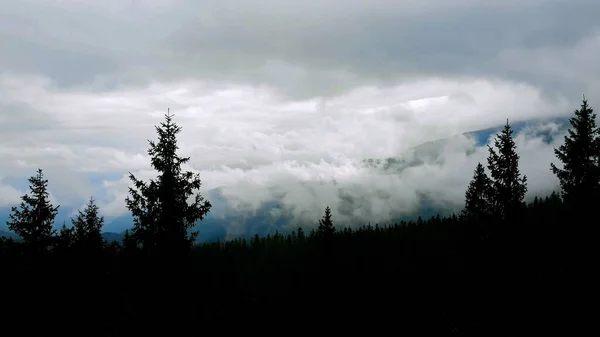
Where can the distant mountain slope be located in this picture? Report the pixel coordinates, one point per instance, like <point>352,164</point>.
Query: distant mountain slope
<point>112,236</point>
<point>9,235</point>
<point>431,151</point>
<point>482,136</point>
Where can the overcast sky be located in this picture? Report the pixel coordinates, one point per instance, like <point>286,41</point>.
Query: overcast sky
<point>281,98</point>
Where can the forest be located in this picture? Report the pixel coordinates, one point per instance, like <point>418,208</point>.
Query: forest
<point>501,266</point>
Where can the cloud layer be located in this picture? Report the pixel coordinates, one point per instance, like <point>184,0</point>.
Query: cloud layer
<point>283,103</point>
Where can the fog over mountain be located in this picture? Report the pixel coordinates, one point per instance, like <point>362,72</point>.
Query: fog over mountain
<point>359,203</point>
<point>379,109</point>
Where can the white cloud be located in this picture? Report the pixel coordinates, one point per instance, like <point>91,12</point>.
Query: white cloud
<point>257,146</point>
<point>9,196</point>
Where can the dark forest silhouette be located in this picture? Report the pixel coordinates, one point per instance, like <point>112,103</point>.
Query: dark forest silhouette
<point>500,266</point>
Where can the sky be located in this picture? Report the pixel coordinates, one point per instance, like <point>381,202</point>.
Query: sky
<point>282,100</point>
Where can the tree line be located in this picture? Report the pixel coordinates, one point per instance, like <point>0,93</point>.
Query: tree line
<point>443,275</point>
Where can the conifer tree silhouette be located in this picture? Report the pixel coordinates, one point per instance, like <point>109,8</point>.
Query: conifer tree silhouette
<point>162,215</point>
<point>65,239</point>
<point>579,176</point>
<point>508,186</point>
<point>87,226</point>
<point>478,196</point>
<point>326,227</point>
<point>35,216</point>
<point>325,232</point>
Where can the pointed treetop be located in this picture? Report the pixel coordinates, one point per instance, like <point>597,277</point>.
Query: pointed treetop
<point>34,218</point>
<point>508,184</point>
<point>326,224</point>
<point>162,215</point>
<point>579,175</point>
<point>169,116</point>
<point>478,194</point>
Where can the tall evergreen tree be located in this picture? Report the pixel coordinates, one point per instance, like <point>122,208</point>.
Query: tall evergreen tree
<point>325,234</point>
<point>87,227</point>
<point>162,215</point>
<point>326,227</point>
<point>34,220</point>
<point>65,239</point>
<point>580,155</point>
<point>301,235</point>
<point>129,242</point>
<point>478,195</point>
<point>508,186</point>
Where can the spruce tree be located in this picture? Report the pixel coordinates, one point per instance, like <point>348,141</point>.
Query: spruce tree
<point>580,155</point>
<point>66,238</point>
<point>508,186</point>
<point>34,220</point>
<point>478,195</point>
<point>129,244</point>
<point>325,235</point>
<point>301,235</point>
<point>162,215</point>
<point>87,227</point>
<point>326,227</point>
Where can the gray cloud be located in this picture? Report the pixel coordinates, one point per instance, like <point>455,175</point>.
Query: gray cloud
<point>313,48</point>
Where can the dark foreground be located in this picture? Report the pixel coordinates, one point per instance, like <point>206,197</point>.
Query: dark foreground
<point>439,277</point>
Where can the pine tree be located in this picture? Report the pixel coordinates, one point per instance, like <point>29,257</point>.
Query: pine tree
<point>129,243</point>
<point>87,227</point>
<point>301,235</point>
<point>66,238</point>
<point>162,215</point>
<point>34,220</point>
<point>580,155</point>
<point>326,227</point>
<point>508,186</point>
<point>478,195</point>
<point>536,202</point>
<point>324,234</point>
